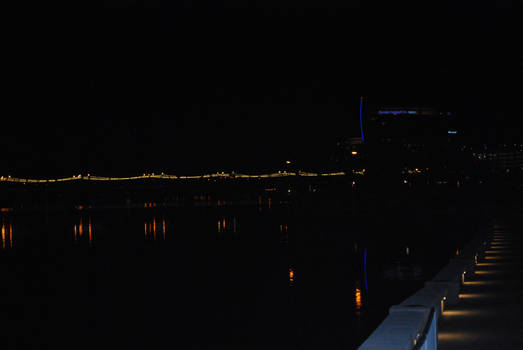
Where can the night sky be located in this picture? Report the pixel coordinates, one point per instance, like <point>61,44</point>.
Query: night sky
<point>219,88</point>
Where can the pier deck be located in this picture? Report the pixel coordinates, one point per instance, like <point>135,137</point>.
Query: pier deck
<point>489,314</point>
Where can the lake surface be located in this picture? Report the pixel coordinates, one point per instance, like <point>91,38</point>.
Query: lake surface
<point>244,277</point>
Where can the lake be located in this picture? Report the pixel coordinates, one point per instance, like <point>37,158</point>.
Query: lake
<point>268,275</point>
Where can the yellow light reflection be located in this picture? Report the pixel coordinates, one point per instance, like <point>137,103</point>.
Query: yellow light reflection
<point>154,228</point>
<point>219,226</point>
<point>476,295</point>
<point>3,235</point>
<point>489,264</point>
<point>291,276</point>
<point>145,228</point>
<point>456,336</point>
<point>89,228</point>
<point>163,228</point>
<point>11,235</point>
<point>357,299</point>
<point>479,283</point>
<point>493,258</point>
<point>75,233</point>
<point>488,272</point>
<point>80,228</point>
<point>461,313</point>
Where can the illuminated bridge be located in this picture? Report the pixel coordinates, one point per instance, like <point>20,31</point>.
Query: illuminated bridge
<point>98,192</point>
<point>162,176</point>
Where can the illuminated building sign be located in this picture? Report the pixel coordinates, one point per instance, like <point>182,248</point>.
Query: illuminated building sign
<point>452,132</point>
<point>396,112</point>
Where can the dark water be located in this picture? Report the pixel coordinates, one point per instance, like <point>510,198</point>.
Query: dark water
<point>247,277</point>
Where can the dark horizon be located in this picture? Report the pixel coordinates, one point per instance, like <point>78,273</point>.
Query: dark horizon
<point>210,90</point>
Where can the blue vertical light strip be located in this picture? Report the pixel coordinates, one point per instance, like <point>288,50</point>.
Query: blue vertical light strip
<point>361,119</point>
<point>365,269</point>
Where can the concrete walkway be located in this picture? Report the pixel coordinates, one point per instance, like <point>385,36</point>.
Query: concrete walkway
<point>489,314</point>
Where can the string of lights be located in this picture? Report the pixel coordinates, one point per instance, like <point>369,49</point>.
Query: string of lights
<point>163,176</point>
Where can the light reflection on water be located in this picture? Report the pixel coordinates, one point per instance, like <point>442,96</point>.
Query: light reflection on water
<point>227,225</point>
<point>78,230</point>
<point>150,229</point>
<point>284,233</point>
<point>357,300</point>
<point>7,234</point>
<point>358,303</point>
<point>260,267</point>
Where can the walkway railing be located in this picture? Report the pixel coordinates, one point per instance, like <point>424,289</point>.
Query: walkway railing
<point>413,324</point>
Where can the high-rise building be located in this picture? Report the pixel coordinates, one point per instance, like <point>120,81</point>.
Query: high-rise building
<point>406,125</point>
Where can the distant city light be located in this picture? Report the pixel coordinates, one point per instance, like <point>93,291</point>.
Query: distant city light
<point>452,132</point>
<point>288,162</point>
<point>353,153</point>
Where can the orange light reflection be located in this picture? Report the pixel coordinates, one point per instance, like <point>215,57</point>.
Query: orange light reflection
<point>489,264</point>
<point>493,258</point>
<point>455,336</point>
<point>89,228</point>
<point>154,229</point>
<point>479,283</point>
<point>454,313</point>
<point>357,298</point>
<point>476,295</point>
<point>3,236</point>
<point>488,272</point>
